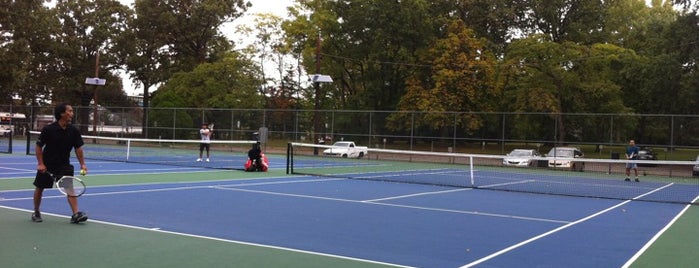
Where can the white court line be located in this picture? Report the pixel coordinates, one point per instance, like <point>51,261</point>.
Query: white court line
<point>381,174</point>
<point>159,230</point>
<point>121,172</point>
<point>525,242</point>
<point>660,233</point>
<point>376,201</point>
<point>18,169</point>
<point>115,192</point>
<point>588,184</point>
<point>228,187</point>
<point>160,189</point>
<point>448,191</point>
<point>418,194</point>
<point>394,205</point>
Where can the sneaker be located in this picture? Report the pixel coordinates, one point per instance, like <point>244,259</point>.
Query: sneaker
<point>36,217</point>
<point>78,217</point>
<point>637,180</point>
<point>627,179</point>
<point>207,160</point>
<point>198,159</point>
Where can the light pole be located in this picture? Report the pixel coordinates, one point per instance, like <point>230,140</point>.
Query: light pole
<point>317,79</point>
<point>96,81</point>
<point>94,112</point>
<point>316,106</point>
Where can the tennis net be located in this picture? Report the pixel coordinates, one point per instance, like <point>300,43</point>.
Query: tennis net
<point>224,154</point>
<point>659,181</point>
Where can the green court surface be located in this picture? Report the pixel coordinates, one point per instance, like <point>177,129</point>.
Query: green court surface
<point>57,243</point>
<point>677,247</point>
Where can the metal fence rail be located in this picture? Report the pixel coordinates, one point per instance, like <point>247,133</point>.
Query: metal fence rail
<point>406,129</point>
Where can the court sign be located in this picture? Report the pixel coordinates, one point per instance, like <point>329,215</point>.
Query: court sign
<point>95,81</point>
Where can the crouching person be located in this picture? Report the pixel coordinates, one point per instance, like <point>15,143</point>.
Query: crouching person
<point>257,161</point>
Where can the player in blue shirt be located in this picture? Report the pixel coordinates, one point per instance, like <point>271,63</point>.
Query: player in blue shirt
<point>631,154</point>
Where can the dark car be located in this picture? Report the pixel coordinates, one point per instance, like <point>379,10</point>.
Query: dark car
<point>646,154</point>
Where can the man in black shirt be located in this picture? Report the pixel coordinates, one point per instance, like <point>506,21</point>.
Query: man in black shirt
<point>53,155</point>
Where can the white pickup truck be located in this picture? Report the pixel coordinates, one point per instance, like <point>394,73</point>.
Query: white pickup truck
<point>346,149</point>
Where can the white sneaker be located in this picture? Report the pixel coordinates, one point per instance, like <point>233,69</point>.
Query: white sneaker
<point>207,160</point>
<point>198,159</point>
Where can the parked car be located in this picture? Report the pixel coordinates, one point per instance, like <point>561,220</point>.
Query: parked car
<point>346,149</point>
<point>564,157</point>
<point>520,157</point>
<point>695,170</point>
<point>646,154</point>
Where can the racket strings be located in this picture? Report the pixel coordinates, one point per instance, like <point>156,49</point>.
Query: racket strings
<point>71,186</point>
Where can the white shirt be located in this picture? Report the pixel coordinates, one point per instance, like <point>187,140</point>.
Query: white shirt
<point>205,134</point>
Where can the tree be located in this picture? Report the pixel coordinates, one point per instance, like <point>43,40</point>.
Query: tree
<point>183,34</point>
<point>566,78</point>
<point>564,20</point>
<point>27,58</point>
<point>228,83</point>
<point>269,45</point>
<point>495,20</point>
<point>461,79</point>
<point>663,81</point>
<point>368,47</point>
<point>90,29</point>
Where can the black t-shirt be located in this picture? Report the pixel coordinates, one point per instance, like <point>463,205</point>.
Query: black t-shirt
<point>254,153</point>
<point>58,142</point>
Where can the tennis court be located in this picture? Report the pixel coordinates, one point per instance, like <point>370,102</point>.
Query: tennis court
<point>180,216</point>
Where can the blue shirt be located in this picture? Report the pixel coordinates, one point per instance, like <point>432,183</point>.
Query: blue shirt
<point>632,150</point>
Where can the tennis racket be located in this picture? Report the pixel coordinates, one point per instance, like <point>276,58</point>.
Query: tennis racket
<point>69,185</point>
<point>211,127</point>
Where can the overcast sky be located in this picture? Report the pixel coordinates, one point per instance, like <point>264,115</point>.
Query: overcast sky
<point>276,7</point>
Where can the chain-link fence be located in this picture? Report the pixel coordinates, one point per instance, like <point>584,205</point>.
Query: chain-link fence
<point>383,129</point>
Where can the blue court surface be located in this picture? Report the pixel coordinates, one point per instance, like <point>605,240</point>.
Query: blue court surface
<point>373,222</point>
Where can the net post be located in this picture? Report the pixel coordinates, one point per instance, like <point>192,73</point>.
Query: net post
<point>29,138</point>
<point>470,164</point>
<point>128,148</point>
<point>9,142</point>
<point>288,157</point>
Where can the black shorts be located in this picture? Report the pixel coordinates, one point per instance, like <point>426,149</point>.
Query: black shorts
<point>202,146</point>
<point>43,180</point>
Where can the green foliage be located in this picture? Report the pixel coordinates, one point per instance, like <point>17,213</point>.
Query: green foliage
<point>90,29</point>
<point>27,58</point>
<point>170,123</point>
<point>369,47</point>
<point>577,21</point>
<point>461,80</point>
<point>559,78</point>
<point>462,58</point>
<point>176,36</point>
<point>229,83</point>
<point>492,20</point>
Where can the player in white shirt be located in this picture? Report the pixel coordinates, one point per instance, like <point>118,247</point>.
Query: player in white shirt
<point>205,134</point>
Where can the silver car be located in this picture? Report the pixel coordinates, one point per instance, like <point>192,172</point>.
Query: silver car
<point>520,157</point>
<point>564,157</point>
